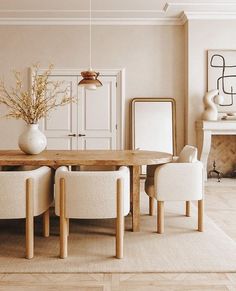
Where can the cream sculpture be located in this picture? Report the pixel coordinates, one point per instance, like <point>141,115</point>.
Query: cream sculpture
<point>211,99</point>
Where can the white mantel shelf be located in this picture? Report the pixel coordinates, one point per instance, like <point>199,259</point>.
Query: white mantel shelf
<point>205,130</point>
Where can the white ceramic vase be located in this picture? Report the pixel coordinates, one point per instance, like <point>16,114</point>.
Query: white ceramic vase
<point>32,141</point>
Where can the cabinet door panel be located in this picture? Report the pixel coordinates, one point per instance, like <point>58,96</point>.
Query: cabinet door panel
<point>97,143</point>
<point>98,109</point>
<point>97,116</point>
<point>62,121</point>
<point>59,143</point>
<point>92,119</point>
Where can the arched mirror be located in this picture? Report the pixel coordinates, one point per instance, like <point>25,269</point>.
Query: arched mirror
<point>153,124</point>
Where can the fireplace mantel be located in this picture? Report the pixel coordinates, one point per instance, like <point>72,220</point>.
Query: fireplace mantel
<point>205,130</point>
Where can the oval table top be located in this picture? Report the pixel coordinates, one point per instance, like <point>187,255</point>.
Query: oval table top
<point>85,157</point>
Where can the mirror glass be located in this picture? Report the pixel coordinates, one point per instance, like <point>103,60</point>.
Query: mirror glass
<point>153,124</point>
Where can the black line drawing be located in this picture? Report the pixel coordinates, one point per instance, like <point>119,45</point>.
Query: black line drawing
<point>222,79</point>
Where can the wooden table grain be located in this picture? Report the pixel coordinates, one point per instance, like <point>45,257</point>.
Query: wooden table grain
<point>131,158</point>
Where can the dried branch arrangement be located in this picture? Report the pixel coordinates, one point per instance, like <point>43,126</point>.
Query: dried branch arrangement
<point>33,104</point>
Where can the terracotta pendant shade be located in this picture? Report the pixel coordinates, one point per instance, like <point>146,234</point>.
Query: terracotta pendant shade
<point>90,80</point>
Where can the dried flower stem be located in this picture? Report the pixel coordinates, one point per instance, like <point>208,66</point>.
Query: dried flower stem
<point>36,103</point>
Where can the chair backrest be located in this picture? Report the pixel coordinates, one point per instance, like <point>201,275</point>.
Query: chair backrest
<point>188,155</point>
<point>13,192</point>
<point>92,194</point>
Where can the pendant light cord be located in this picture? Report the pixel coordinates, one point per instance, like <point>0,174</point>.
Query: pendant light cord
<point>90,35</point>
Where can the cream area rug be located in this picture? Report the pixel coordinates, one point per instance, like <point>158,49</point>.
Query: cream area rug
<point>92,246</point>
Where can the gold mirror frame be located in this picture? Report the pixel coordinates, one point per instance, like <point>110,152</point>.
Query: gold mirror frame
<point>142,99</point>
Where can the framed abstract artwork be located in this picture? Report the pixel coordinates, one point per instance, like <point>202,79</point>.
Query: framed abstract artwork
<point>222,76</point>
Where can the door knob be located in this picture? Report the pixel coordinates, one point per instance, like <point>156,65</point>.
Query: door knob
<point>81,134</point>
<point>72,134</point>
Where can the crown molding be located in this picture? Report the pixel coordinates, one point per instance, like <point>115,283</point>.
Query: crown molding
<point>170,14</point>
<point>95,21</point>
<point>214,5</point>
<point>168,6</point>
<point>208,16</point>
<point>69,11</point>
<point>183,18</point>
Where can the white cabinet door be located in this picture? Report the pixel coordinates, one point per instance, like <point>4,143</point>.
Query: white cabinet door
<point>97,116</point>
<point>63,120</point>
<point>92,120</point>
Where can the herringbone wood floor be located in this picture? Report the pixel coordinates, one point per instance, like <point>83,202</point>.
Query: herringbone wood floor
<point>220,206</point>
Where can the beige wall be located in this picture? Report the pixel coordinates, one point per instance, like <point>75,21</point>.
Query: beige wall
<point>154,58</point>
<point>152,55</point>
<point>203,35</point>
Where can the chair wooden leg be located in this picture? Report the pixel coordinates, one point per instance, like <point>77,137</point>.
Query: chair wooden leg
<point>120,221</point>
<point>46,223</point>
<point>160,216</point>
<point>151,206</point>
<point>200,215</point>
<point>29,227</point>
<point>187,208</point>
<point>63,222</point>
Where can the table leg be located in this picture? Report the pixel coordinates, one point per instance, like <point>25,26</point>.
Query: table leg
<point>135,196</point>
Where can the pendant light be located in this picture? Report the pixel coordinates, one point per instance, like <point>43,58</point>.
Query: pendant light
<point>90,78</point>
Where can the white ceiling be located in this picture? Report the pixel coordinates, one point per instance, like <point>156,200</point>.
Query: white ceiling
<point>115,10</point>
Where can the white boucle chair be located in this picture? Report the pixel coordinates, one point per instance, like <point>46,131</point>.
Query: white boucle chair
<point>25,194</point>
<point>92,195</point>
<point>181,180</point>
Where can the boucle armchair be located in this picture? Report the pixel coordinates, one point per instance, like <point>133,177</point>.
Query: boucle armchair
<point>25,194</point>
<point>181,180</point>
<point>92,195</point>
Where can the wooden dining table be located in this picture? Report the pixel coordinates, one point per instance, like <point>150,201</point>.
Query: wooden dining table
<point>131,158</point>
